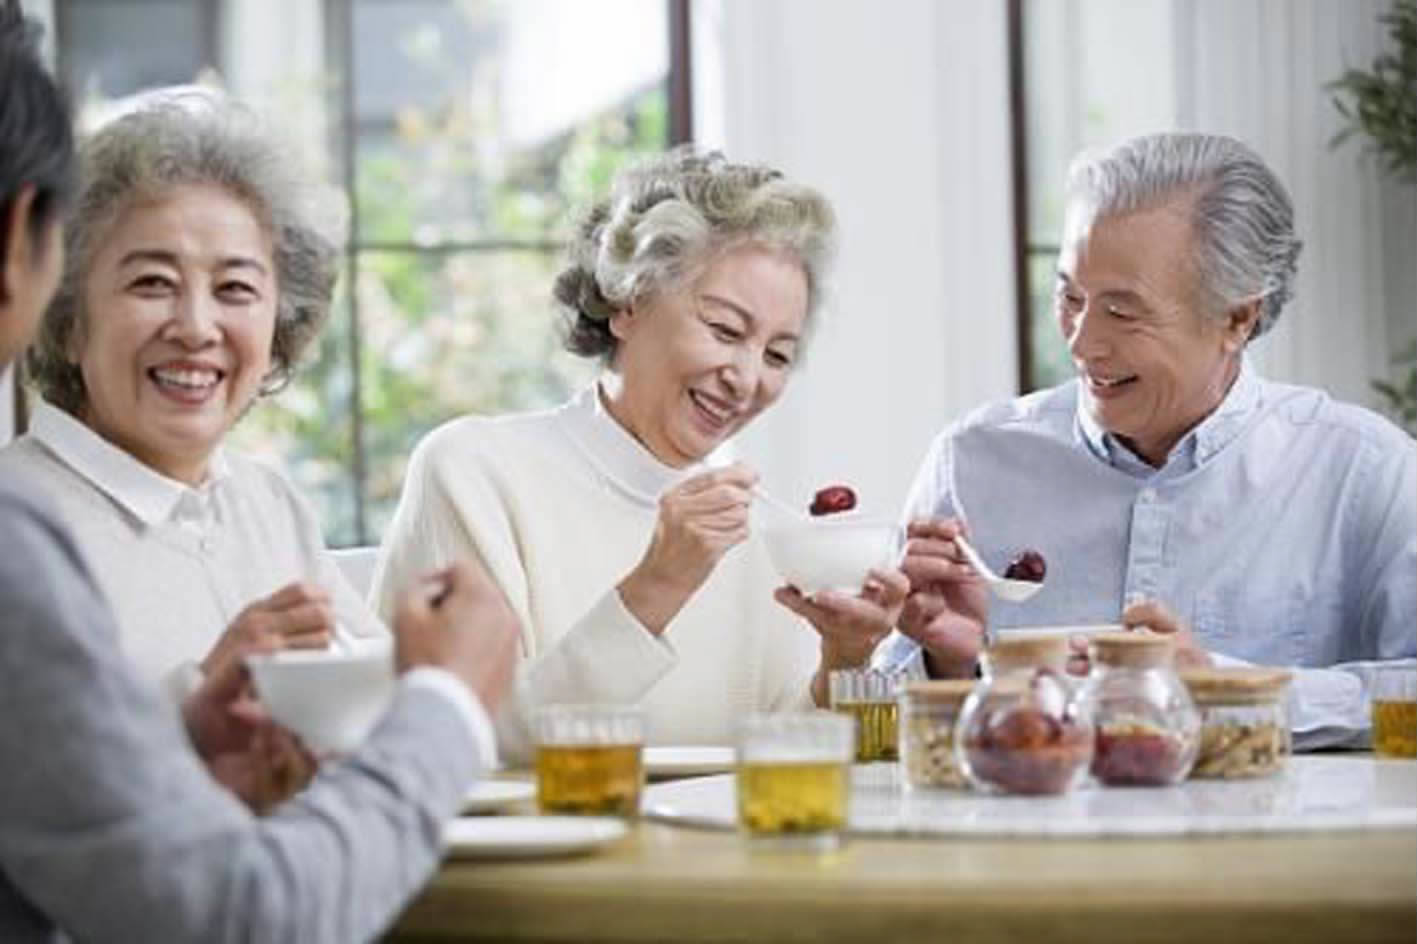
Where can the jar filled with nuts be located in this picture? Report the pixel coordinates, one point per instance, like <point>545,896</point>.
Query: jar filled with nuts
<point>1023,729</point>
<point>1244,724</point>
<point>928,712</point>
<point>1148,728</point>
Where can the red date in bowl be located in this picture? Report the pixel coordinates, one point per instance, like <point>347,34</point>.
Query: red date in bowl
<point>832,500</point>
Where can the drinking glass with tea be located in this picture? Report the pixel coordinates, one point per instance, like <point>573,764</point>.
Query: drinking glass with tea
<point>1395,711</point>
<point>589,759</point>
<point>869,696</point>
<point>794,778</point>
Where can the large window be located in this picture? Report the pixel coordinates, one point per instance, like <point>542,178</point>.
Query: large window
<point>1087,73</point>
<point>464,134</point>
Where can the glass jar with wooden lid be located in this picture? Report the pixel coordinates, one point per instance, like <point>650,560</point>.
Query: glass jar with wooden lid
<point>1244,721</point>
<point>1023,729</point>
<point>1148,729</point>
<point>928,713</point>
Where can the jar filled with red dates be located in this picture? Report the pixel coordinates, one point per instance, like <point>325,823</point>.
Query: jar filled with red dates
<point>1024,729</point>
<point>1148,728</point>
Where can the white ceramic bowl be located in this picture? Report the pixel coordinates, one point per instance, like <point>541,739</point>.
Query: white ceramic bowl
<point>330,699</point>
<point>833,552</point>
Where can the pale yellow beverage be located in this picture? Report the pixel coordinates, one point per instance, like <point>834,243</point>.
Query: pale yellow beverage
<point>1394,727</point>
<point>877,728</point>
<point>596,779</point>
<point>777,798</point>
<point>1394,696</point>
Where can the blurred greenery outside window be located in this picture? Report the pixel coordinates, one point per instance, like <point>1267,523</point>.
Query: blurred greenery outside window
<point>465,135</point>
<point>1093,72</point>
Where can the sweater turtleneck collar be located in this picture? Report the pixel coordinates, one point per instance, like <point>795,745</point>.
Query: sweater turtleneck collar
<point>620,458</point>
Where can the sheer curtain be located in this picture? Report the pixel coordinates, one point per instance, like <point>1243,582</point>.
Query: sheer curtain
<point>1256,69</point>
<point>899,113</point>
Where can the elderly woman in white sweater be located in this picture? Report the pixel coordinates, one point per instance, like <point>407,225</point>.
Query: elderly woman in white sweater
<point>197,270</point>
<point>614,523</point>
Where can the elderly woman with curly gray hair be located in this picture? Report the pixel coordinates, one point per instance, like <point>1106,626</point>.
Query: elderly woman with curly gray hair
<point>199,266</point>
<point>617,524</point>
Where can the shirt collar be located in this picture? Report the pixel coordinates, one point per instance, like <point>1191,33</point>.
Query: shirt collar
<point>1195,448</point>
<point>149,495</point>
<point>619,457</point>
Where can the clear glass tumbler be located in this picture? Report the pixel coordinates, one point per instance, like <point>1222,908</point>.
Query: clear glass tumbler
<point>869,696</point>
<point>794,778</point>
<point>589,759</point>
<point>1395,711</point>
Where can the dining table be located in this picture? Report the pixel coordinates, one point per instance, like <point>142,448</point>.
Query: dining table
<point>685,878</point>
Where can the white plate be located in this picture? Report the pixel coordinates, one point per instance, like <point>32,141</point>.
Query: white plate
<point>489,796</point>
<point>687,761</point>
<point>524,837</point>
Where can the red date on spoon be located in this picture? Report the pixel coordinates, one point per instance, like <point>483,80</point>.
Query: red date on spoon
<point>832,500</point>
<point>1028,565</point>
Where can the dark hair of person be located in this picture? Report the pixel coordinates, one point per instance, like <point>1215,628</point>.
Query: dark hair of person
<point>36,138</point>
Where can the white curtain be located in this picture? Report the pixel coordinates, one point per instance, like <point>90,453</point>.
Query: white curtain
<point>1257,69</point>
<point>899,112</point>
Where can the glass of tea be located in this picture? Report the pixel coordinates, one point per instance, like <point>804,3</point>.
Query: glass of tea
<point>869,696</point>
<point>1395,711</point>
<point>589,759</point>
<point>794,778</point>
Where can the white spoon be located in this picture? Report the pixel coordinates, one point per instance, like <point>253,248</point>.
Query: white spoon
<point>778,505</point>
<point>1005,588</point>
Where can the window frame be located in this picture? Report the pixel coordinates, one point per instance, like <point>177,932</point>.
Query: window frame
<point>339,51</point>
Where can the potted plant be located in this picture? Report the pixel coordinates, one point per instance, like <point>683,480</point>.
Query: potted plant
<point>1381,104</point>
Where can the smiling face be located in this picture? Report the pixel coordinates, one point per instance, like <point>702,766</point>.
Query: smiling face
<point>697,364</point>
<point>179,311</point>
<point>1152,361</point>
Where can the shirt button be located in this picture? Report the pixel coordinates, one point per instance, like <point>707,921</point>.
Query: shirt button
<point>1146,496</point>
<point>208,544</point>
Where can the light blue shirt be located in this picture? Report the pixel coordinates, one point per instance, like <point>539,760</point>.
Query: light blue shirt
<point>1283,529</point>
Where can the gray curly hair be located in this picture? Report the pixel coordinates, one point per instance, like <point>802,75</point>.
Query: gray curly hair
<point>1242,217</point>
<point>175,137</point>
<point>670,215</point>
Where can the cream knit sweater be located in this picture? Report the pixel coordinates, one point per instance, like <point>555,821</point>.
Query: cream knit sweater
<point>560,506</point>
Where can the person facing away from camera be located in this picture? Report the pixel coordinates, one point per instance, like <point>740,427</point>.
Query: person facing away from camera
<point>112,827</point>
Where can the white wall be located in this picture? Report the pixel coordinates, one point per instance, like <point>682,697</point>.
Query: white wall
<point>898,112</point>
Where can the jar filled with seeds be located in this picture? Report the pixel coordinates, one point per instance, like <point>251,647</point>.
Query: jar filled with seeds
<point>1244,723</point>
<point>868,695</point>
<point>928,711</point>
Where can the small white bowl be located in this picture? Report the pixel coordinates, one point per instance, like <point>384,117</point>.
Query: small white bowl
<point>833,552</point>
<point>331,700</point>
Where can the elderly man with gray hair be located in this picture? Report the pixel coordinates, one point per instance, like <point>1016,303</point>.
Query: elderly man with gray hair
<point>1169,484</point>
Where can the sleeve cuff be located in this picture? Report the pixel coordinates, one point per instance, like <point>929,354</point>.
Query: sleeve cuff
<point>181,681</point>
<point>450,687</point>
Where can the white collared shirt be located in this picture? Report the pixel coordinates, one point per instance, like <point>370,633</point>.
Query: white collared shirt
<point>179,563</point>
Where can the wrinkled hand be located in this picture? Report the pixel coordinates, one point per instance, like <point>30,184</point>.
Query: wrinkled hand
<point>1155,616</point>
<point>948,604</point>
<point>459,620</point>
<point>700,520</point>
<point>241,747</point>
<point>297,616</point>
<point>850,626</point>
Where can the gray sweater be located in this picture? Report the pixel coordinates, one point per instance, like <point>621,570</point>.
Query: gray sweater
<point>111,829</point>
